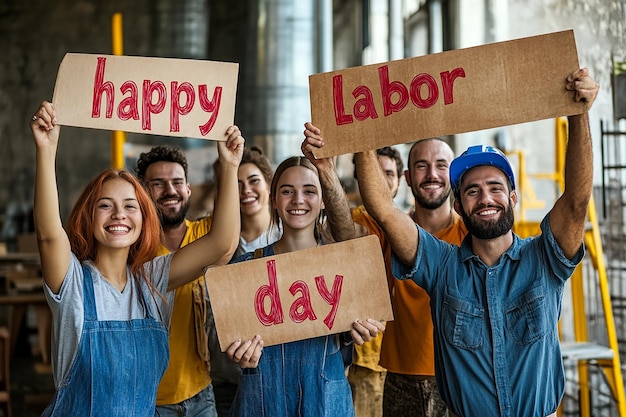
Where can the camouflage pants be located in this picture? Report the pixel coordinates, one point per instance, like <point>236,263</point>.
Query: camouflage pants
<point>412,396</point>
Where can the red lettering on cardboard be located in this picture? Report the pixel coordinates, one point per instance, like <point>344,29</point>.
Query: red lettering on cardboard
<point>98,88</point>
<point>340,112</point>
<point>423,92</point>
<point>210,106</point>
<point>154,99</point>
<point>301,309</point>
<point>275,316</point>
<point>177,109</point>
<point>447,83</point>
<point>148,106</point>
<point>416,91</point>
<point>127,109</point>
<point>364,108</point>
<point>332,298</point>
<point>387,89</point>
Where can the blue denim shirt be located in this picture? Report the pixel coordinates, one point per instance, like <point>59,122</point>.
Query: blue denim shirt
<point>497,350</point>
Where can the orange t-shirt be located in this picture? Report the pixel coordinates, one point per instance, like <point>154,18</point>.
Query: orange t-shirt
<point>408,344</point>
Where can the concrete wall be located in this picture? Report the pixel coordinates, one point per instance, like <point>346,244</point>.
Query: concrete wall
<point>35,35</point>
<point>599,28</point>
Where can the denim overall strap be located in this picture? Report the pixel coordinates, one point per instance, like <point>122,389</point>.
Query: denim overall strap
<point>117,368</point>
<point>302,378</point>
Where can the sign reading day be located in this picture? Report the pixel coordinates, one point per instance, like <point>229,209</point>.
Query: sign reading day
<point>161,96</point>
<point>458,91</point>
<point>302,294</point>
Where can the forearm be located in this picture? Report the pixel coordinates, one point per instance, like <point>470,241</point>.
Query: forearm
<point>568,217</point>
<point>377,199</point>
<point>226,223</point>
<point>52,240</point>
<point>46,212</point>
<point>579,165</point>
<point>189,262</point>
<point>337,208</point>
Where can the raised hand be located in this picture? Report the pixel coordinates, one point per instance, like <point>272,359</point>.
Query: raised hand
<point>585,87</point>
<point>44,125</point>
<point>231,151</point>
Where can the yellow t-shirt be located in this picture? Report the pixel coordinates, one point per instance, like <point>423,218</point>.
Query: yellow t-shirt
<point>367,355</point>
<point>408,344</point>
<point>187,373</point>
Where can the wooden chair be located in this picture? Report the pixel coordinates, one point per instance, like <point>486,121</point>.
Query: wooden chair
<point>5,386</point>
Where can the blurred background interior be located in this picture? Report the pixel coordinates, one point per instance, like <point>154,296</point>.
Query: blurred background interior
<point>278,44</point>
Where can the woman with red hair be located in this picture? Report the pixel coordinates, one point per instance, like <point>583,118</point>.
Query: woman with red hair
<point>107,289</point>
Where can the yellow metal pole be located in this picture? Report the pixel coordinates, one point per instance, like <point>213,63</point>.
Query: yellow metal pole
<point>612,368</point>
<point>118,138</point>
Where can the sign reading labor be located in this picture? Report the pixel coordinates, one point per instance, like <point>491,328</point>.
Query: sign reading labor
<point>161,96</point>
<point>299,295</point>
<point>442,94</point>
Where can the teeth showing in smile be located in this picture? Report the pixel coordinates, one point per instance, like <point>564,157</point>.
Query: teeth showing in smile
<point>248,200</point>
<point>488,212</point>
<point>297,212</point>
<point>432,186</point>
<point>118,229</point>
<point>170,202</point>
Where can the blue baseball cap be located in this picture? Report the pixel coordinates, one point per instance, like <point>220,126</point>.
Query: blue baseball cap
<point>476,156</point>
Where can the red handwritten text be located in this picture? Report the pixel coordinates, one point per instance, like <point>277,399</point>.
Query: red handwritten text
<point>153,100</point>
<point>423,93</point>
<point>302,308</point>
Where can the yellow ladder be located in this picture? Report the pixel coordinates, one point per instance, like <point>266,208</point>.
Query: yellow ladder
<point>582,350</point>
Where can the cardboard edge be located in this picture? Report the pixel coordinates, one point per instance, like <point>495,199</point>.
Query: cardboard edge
<point>224,345</point>
<point>60,72</point>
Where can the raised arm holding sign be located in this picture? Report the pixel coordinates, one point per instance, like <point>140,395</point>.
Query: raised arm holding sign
<point>496,298</point>
<point>106,287</point>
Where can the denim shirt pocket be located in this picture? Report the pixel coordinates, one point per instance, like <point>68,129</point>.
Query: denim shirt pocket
<point>462,323</point>
<point>526,317</point>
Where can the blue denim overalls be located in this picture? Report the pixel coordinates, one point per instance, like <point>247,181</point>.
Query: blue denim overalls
<point>117,368</point>
<point>304,379</point>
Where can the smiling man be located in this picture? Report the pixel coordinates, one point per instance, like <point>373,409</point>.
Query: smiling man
<point>496,299</point>
<point>407,350</point>
<point>185,389</point>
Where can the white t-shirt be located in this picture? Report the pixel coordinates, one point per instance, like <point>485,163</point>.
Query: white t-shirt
<point>68,309</point>
<point>269,236</point>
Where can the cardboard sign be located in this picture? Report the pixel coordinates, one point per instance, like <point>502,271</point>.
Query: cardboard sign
<point>160,96</point>
<point>451,92</point>
<point>299,295</point>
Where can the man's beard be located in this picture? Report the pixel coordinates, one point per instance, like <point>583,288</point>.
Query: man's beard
<point>431,204</point>
<point>174,219</point>
<point>490,230</point>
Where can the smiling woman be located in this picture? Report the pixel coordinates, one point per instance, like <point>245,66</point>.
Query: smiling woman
<point>307,376</point>
<point>109,292</point>
<point>254,178</point>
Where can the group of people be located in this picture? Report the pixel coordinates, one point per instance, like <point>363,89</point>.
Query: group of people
<point>475,307</point>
